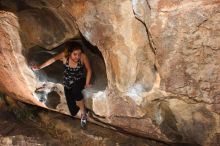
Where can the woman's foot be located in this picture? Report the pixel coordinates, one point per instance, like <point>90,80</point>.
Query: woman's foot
<point>84,120</point>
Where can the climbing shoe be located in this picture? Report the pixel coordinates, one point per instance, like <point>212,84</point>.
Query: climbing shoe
<point>84,121</point>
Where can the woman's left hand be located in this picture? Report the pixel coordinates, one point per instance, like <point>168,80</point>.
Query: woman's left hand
<point>88,85</point>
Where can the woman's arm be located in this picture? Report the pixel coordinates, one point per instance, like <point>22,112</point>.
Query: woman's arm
<point>88,70</point>
<point>59,56</point>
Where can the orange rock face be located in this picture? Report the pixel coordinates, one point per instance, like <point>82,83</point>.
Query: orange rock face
<point>14,79</point>
<point>161,60</point>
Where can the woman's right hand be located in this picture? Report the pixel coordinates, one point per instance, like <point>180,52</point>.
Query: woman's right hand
<point>35,67</point>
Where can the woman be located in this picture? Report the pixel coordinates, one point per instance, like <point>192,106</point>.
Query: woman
<point>75,77</point>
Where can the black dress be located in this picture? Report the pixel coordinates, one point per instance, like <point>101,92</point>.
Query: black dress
<point>74,82</point>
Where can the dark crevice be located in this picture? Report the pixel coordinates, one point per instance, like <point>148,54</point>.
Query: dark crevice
<point>20,5</point>
<point>150,39</point>
<point>54,72</point>
<point>53,99</point>
<point>148,4</point>
<point>138,135</point>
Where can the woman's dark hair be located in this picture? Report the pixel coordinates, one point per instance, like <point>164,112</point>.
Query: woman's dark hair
<point>74,46</point>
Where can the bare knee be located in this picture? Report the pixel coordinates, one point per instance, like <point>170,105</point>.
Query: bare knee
<point>79,103</point>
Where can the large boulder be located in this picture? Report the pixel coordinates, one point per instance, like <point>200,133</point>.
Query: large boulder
<point>161,60</point>
<point>185,38</point>
<point>16,80</point>
<point>177,39</point>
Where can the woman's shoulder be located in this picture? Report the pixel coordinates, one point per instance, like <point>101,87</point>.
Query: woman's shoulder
<point>83,57</point>
<point>62,56</point>
<point>59,56</point>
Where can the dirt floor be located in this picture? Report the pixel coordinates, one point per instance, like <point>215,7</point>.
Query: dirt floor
<point>15,132</point>
<point>33,126</point>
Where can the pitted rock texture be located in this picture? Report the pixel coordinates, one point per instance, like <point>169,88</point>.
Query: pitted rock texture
<point>185,38</point>
<point>184,35</point>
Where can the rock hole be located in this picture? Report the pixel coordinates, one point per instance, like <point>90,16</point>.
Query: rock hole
<point>53,99</point>
<point>54,72</point>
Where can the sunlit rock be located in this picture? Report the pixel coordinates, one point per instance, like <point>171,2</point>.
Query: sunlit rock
<point>155,63</point>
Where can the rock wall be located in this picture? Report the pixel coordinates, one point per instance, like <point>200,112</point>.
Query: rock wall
<point>161,61</point>
<point>185,38</point>
<point>122,39</point>
<point>17,80</point>
<point>174,35</point>
<point>43,23</point>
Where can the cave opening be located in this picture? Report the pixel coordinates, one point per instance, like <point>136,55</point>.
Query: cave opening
<point>54,72</point>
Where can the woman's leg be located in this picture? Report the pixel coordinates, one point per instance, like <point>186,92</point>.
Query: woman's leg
<point>81,105</point>
<point>71,103</point>
<point>78,96</point>
<point>80,102</point>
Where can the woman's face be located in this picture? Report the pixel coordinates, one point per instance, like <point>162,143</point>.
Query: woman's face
<point>75,55</point>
